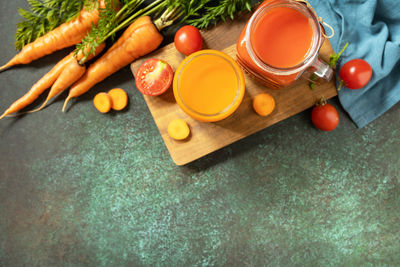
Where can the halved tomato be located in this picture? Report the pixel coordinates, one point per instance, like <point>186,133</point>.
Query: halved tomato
<point>154,77</point>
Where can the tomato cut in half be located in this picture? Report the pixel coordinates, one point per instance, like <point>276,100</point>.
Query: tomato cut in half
<point>154,77</point>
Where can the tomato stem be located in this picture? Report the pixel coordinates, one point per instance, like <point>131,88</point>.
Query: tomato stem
<point>321,102</point>
<point>340,85</point>
<point>334,58</point>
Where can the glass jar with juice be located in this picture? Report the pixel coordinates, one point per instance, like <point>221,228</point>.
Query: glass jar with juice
<point>280,42</point>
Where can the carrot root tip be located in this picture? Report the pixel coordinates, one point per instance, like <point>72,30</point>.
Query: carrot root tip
<point>39,108</point>
<point>5,67</point>
<point>65,104</point>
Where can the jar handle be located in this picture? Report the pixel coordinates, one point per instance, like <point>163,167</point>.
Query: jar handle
<point>321,69</point>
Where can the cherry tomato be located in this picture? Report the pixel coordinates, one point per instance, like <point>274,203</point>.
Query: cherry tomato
<point>325,117</point>
<point>355,73</point>
<point>188,40</point>
<point>154,77</point>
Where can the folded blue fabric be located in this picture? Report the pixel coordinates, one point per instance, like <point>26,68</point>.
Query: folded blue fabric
<point>372,29</point>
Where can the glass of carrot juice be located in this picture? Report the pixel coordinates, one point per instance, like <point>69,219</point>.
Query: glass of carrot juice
<point>280,42</point>
<point>209,85</point>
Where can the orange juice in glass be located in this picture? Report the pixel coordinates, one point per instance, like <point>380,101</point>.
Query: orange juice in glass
<point>208,85</point>
<point>281,41</point>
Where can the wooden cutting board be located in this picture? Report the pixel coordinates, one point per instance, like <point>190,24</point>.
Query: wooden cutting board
<point>209,137</point>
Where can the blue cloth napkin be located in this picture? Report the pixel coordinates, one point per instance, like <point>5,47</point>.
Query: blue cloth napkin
<point>372,29</point>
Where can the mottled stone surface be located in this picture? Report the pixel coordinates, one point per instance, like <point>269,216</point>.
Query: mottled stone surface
<point>86,189</point>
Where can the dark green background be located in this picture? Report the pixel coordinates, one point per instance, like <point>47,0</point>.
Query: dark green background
<point>86,189</point>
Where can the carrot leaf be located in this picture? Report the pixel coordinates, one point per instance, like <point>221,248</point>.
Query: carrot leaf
<point>43,16</point>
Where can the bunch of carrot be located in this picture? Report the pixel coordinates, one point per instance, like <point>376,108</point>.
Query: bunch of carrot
<point>64,73</point>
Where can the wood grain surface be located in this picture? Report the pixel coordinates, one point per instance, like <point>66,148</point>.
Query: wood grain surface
<point>206,138</point>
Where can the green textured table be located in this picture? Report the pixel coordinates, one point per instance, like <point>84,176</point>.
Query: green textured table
<point>85,189</point>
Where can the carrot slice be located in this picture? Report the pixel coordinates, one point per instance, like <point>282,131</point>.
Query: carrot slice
<point>102,102</point>
<point>119,98</point>
<point>178,129</point>
<point>263,104</point>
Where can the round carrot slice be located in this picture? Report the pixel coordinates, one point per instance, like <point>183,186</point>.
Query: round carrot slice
<point>119,98</point>
<point>102,102</point>
<point>263,104</point>
<point>178,129</point>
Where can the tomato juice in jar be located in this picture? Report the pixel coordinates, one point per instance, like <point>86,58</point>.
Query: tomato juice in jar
<point>281,41</point>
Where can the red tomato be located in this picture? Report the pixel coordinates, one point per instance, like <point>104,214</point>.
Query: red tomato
<point>154,77</point>
<point>325,117</point>
<point>356,73</point>
<point>188,40</point>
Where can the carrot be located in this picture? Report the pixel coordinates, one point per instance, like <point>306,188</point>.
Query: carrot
<point>38,88</point>
<point>263,104</point>
<point>65,35</point>
<point>178,129</point>
<point>47,81</point>
<point>119,98</point>
<point>140,38</point>
<point>102,102</point>
<point>70,74</point>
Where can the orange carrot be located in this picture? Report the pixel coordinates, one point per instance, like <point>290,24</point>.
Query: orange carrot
<point>65,35</point>
<point>141,38</point>
<point>70,74</point>
<point>263,104</point>
<point>38,88</point>
<point>119,98</point>
<point>178,129</point>
<point>47,81</point>
<point>102,102</point>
